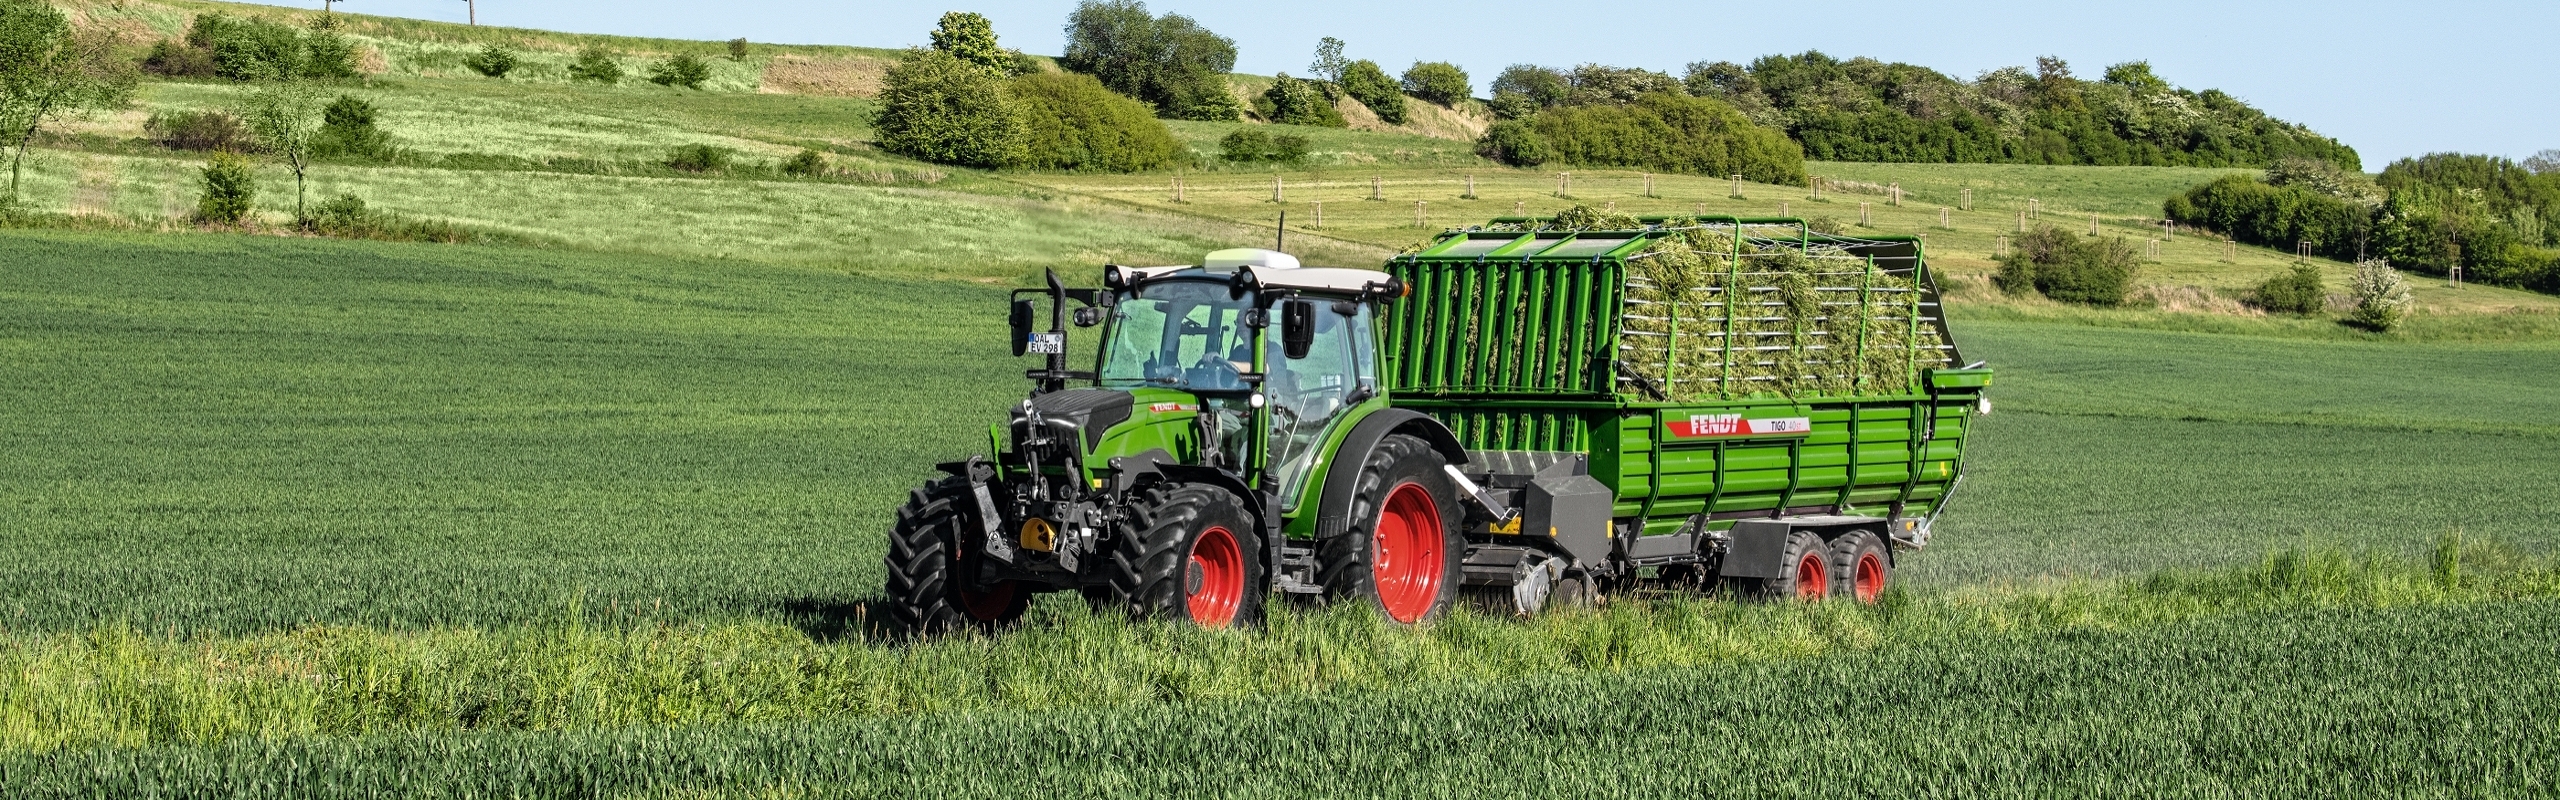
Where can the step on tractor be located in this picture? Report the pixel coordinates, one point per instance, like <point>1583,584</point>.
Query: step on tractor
<point>1531,413</point>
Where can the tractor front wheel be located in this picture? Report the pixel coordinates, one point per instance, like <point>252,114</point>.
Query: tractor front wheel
<point>1190,554</point>
<point>1404,546</point>
<point>932,584</point>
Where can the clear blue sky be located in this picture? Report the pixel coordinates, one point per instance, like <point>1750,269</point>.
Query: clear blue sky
<point>2391,79</point>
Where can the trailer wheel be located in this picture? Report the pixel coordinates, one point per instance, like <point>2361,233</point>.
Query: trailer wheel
<point>927,562</point>
<point>1804,570</point>
<point>1860,567</point>
<point>1189,555</point>
<point>1403,550</point>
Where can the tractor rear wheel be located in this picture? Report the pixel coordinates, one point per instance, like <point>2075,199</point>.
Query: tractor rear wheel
<point>1804,570</point>
<point>1403,550</point>
<point>1860,566</point>
<point>932,584</point>
<point>1191,555</point>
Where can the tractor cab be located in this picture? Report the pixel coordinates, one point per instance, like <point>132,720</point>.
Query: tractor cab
<point>1277,354</point>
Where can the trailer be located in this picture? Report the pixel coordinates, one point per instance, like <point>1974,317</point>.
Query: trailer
<point>1540,410</point>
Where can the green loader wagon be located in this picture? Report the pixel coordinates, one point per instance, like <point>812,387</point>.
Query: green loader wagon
<point>1523,410</point>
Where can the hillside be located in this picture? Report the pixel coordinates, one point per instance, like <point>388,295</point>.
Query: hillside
<point>541,160</point>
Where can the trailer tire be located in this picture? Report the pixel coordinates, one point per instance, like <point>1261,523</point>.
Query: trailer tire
<point>1190,554</point>
<point>1860,566</point>
<point>1804,570</point>
<point>1405,509</point>
<point>927,561</point>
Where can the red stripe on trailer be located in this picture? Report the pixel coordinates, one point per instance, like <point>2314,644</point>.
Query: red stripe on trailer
<point>1699,426</point>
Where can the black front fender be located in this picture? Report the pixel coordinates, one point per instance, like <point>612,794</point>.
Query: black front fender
<point>1342,471</point>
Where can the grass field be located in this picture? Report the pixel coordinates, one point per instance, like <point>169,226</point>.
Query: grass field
<point>600,514</point>
<point>406,435</point>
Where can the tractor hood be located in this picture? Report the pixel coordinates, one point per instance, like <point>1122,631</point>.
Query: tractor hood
<point>1112,422</point>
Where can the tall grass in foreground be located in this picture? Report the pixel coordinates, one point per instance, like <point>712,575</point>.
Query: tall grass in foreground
<point>117,686</point>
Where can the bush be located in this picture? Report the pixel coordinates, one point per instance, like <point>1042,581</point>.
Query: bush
<point>199,131</point>
<point>492,61</point>
<point>1369,84</point>
<point>347,129</point>
<point>2251,211</point>
<point>1291,101</point>
<point>1514,142</point>
<point>248,49</point>
<point>938,108</point>
<point>594,63</point>
<point>2382,298</point>
<point>230,189</point>
<point>345,213</point>
<point>738,49</point>
<point>2297,291</point>
<point>347,217</point>
<point>699,158</point>
<point>174,59</point>
<point>683,69</point>
<point>2064,266</point>
<point>1823,224</point>
<point>807,163</point>
<point>1669,132</point>
<point>1438,82</point>
<point>328,56</point>
<point>1251,145</point>
<point>1071,121</point>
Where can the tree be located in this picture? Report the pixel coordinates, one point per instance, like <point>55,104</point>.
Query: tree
<point>47,71</point>
<point>1329,63</point>
<point>1438,82</point>
<point>972,39</point>
<point>2546,162</point>
<point>285,116</point>
<point>936,107</point>
<point>1367,83</point>
<point>738,49</point>
<point>1171,62</point>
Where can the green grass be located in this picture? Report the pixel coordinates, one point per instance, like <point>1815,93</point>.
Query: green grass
<point>2438,700</point>
<point>117,686</point>
<point>238,434</point>
<point>2111,191</point>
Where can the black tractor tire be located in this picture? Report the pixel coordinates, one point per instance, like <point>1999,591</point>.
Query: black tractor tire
<point>1191,554</point>
<point>1861,566</point>
<point>1404,477</point>
<point>1804,570</point>
<point>931,583</point>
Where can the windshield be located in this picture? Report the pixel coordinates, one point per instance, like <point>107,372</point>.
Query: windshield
<point>1179,335</point>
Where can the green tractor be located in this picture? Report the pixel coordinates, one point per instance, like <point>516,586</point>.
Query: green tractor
<point>1534,414</point>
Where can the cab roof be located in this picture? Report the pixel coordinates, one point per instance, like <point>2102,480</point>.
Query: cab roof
<point>1269,268</point>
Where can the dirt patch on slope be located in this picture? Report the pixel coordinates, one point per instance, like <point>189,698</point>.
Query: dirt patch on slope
<point>856,76</point>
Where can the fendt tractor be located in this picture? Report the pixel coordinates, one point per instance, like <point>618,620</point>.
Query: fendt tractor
<point>1529,412</point>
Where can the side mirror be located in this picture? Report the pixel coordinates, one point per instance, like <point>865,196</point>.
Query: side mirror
<point>1024,311</point>
<point>1297,328</point>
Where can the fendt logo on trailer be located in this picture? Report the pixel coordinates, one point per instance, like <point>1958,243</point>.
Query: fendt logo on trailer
<point>1705,425</point>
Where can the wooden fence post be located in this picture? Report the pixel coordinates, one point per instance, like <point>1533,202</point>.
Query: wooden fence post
<point>1737,187</point>
<point>1319,213</point>
<point>1377,188</point>
<point>1278,193</point>
<point>1967,202</point>
<point>1863,218</point>
<point>1420,219</point>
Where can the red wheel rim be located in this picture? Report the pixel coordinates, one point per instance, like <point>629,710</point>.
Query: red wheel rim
<point>1870,577</point>
<point>1215,579</point>
<point>1409,553</point>
<point>1813,582</point>
<point>989,605</point>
